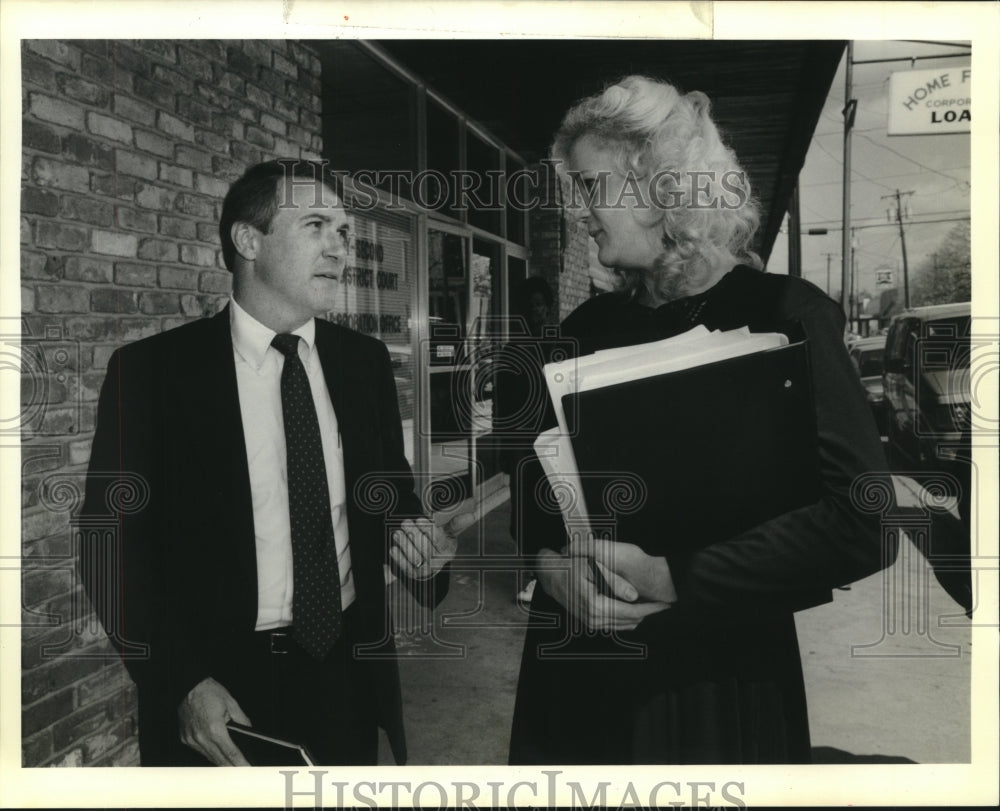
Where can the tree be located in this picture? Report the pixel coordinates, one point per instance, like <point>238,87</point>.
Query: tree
<point>947,275</point>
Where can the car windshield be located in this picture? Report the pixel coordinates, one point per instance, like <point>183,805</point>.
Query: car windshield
<point>870,363</point>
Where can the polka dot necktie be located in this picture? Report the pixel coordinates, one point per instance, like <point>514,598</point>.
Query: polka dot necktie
<point>316,612</point>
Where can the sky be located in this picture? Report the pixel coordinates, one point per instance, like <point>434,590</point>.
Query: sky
<point>936,168</point>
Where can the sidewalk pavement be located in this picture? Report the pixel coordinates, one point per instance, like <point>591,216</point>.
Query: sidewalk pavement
<point>886,664</point>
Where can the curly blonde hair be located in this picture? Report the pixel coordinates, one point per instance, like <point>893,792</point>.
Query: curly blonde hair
<point>661,134</point>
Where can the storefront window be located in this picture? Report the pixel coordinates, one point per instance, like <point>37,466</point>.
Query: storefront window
<point>369,119</point>
<point>486,197</point>
<point>376,296</point>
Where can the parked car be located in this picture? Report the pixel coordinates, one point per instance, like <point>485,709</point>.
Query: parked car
<point>867,355</point>
<point>927,388</point>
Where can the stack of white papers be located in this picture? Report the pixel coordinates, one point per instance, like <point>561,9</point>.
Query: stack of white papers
<point>696,347</point>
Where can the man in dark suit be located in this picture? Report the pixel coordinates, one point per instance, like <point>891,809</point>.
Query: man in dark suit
<point>244,581</point>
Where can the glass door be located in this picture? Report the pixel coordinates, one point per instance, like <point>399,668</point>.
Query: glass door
<point>448,278</point>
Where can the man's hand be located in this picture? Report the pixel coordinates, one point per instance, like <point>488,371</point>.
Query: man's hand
<point>579,592</point>
<point>420,548</point>
<point>626,563</point>
<point>203,715</point>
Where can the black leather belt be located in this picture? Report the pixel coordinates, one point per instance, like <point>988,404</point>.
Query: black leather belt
<point>277,641</point>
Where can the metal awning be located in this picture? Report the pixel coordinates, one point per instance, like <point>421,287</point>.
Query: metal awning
<point>766,95</point>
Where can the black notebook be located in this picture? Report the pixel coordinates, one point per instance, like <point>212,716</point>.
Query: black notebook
<point>681,460</point>
<point>262,749</point>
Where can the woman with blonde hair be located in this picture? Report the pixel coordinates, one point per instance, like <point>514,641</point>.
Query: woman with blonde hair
<point>720,679</point>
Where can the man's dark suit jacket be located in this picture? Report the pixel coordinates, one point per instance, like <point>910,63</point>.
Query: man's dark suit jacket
<point>180,573</point>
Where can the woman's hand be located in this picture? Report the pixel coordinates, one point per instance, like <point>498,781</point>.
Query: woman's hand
<point>574,582</point>
<point>649,576</point>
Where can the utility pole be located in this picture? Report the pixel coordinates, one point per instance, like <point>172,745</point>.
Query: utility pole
<point>902,243</point>
<point>850,108</point>
<point>828,256</point>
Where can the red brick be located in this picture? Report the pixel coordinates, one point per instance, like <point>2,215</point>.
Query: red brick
<point>215,282</point>
<point>79,451</point>
<point>158,250</point>
<point>78,726</point>
<point>246,153</point>
<point>194,63</point>
<point>158,303</point>
<point>37,136</point>
<point>39,201</point>
<point>72,759</point>
<point>178,175</point>
<point>177,80</point>
<point>86,269</point>
<point>287,111</point>
<point>211,140</point>
<point>262,49</point>
<point>86,209</point>
<point>160,48</point>
<point>27,300</point>
<point>283,148</point>
<point>162,96</point>
<point>240,62</point>
<point>212,186</point>
<point>310,120</point>
<point>209,232</point>
<point>136,220</point>
<point>37,749</point>
<point>131,163</point>
<point>38,586</point>
<point>194,111</point>
<point>115,185</point>
<point>200,306</point>
<point>112,300</point>
<point>109,127</point>
<point>261,138</point>
<point>180,278</point>
<point>25,231</point>
<point>271,81</point>
<point>37,72</point>
<point>38,266</point>
<point>285,66</point>
<point>258,97</point>
<point>193,158</point>
<point>156,198</point>
<point>273,123</point>
<point>227,80</point>
<point>195,205</point>
<point>177,227</point>
<point>56,111</point>
<point>135,275</point>
<point>56,235</point>
<point>46,712</point>
<point>126,57</point>
<point>99,68</point>
<point>114,243</point>
<point>56,50</point>
<point>135,111</point>
<point>110,328</point>
<point>58,175</point>
<point>61,298</point>
<point>157,144</point>
<point>79,149</point>
<point>82,90</point>
<point>171,125</point>
<point>198,255</point>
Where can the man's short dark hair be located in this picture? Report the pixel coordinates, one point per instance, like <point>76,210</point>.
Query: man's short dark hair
<point>254,197</point>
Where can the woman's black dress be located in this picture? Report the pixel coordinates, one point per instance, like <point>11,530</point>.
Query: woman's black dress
<point>720,680</point>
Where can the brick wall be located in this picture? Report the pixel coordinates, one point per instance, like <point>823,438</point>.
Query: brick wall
<point>128,149</point>
<point>560,249</point>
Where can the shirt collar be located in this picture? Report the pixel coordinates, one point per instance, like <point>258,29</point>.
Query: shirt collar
<point>252,339</point>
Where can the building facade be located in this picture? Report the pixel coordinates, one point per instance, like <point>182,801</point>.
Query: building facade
<point>128,149</point>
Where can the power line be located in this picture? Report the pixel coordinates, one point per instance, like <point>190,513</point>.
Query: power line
<point>907,157</point>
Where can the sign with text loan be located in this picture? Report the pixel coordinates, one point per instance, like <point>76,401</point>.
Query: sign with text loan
<point>930,102</point>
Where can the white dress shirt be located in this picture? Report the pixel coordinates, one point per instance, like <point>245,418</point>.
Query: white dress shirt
<point>258,378</point>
